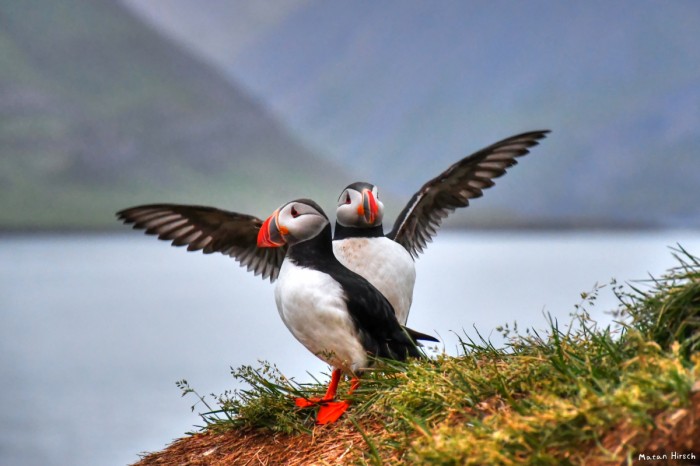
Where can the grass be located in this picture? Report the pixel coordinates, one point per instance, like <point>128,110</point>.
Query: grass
<point>577,394</point>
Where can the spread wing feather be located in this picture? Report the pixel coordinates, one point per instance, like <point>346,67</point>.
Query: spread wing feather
<point>208,230</point>
<point>420,219</point>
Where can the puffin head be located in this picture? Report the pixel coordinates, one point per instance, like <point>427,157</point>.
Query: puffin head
<point>294,222</point>
<point>359,206</point>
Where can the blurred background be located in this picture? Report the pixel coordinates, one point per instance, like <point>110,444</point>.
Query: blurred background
<point>246,104</point>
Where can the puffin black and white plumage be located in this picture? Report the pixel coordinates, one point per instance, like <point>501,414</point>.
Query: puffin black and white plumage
<point>334,312</point>
<point>359,244</point>
<point>387,261</point>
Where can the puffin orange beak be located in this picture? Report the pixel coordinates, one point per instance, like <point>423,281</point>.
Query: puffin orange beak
<point>271,234</point>
<point>369,208</point>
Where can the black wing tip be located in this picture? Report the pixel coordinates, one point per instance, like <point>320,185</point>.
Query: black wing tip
<point>139,207</point>
<point>123,214</point>
<point>540,133</point>
<point>528,139</point>
<point>537,135</point>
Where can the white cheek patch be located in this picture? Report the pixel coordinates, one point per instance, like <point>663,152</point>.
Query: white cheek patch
<point>380,213</point>
<point>304,227</point>
<point>347,215</point>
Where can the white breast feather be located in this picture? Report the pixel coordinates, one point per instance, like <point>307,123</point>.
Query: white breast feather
<point>385,264</point>
<point>312,306</point>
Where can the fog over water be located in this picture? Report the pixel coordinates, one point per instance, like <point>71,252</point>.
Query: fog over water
<point>95,330</point>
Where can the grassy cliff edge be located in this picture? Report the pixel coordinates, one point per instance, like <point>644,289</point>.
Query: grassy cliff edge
<point>576,394</point>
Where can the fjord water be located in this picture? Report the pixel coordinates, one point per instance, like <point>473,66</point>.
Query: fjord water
<point>96,329</point>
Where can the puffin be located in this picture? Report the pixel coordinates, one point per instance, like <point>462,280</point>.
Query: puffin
<point>334,312</point>
<point>387,261</point>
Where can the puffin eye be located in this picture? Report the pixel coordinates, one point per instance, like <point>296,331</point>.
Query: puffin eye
<point>347,198</point>
<point>295,214</point>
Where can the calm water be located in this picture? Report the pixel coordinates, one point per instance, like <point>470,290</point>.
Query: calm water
<point>95,330</point>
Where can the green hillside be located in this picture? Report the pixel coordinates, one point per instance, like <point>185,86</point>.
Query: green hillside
<point>98,112</point>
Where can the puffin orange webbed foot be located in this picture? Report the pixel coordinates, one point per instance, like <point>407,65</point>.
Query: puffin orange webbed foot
<point>307,402</point>
<point>330,393</point>
<point>331,411</point>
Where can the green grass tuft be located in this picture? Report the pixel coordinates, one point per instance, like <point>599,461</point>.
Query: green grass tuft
<point>669,310</point>
<point>542,398</point>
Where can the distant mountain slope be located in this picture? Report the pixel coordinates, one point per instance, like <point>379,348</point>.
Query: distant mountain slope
<point>220,31</point>
<point>401,89</point>
<point>98,112</point>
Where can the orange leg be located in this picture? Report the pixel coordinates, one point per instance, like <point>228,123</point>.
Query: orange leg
<point>354,383</point>
<point>330,393</point>
<point>333,386</point>
<point>332,410</point>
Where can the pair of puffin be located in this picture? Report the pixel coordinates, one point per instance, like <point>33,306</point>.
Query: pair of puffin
<point>345,298</point>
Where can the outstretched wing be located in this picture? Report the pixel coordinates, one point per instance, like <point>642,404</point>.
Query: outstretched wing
<point>209,230</point>
<point>419,220</point>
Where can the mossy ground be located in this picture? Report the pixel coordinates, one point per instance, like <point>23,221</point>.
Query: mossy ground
<point>577,394</point>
